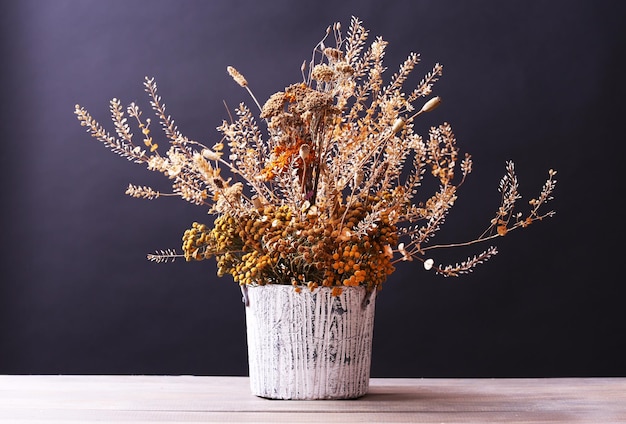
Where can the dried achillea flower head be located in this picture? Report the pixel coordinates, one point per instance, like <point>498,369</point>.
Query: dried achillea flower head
<point>325,191</point>
<point>323,73</point>
<point>274,105</point>
<point>316,101</point>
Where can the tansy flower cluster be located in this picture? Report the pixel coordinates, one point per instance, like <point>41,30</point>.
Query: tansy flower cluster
<point>274,246</point>
<point>327,189</point>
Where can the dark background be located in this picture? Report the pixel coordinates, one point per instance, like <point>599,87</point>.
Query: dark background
<point>538,82</point>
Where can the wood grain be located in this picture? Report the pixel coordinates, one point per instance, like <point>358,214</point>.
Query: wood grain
<point>170,399</point>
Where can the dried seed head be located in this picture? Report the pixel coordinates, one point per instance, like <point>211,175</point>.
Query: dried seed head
<point>210,154</point>
<point>431,104</point>
<point>305,149</point>
<point>239,79</point>
<point>218,182</point>
<point>398,125</point>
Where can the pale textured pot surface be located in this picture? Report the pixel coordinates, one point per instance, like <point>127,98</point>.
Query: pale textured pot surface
<point>309,345</point>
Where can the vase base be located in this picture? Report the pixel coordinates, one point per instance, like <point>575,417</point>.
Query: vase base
<point>330,397</point>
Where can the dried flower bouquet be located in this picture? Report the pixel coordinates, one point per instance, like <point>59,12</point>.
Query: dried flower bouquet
<point>329,191</point>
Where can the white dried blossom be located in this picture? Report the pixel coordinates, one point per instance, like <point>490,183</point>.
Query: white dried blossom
<point>428,264</point>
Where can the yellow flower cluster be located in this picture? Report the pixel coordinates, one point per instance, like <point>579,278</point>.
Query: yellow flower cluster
<point>280,246</point>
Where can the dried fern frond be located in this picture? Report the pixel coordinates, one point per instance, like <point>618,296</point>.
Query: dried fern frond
<point>166,121</point>
<point>355,41</point>
<point>163,256</point>
<point>122,147</point>
<point>466,266</point>
<point>142,192</point>
<point>119,120</point>
<point>425,87</point>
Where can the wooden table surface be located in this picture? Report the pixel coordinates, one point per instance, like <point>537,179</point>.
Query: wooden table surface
<point>174,399</point>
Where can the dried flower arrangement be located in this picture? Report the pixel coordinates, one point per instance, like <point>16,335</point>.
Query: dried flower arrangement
<point>328,196</point>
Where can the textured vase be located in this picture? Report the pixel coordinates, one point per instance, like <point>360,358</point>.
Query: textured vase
<point>309,345</point>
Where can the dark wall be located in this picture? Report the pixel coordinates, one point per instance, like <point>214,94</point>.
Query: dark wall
<point>541,83</point>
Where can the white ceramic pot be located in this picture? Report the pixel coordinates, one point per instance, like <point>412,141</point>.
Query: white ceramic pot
<point>309,345</point>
